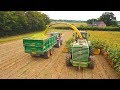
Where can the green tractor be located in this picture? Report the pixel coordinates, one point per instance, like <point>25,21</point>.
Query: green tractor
<point>80,52</point>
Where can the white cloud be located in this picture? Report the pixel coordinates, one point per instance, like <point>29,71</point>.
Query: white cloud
<point>78,15</point>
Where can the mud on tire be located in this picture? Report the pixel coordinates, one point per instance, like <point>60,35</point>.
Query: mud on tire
<point>68,57</point>
<point>91,51</point>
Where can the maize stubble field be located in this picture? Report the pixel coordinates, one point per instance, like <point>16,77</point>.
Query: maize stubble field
<point>16,64</point>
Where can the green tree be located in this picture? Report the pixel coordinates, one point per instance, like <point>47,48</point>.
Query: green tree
<point>46,19</point>
<point>108,18</point>
<point>91,21</point>
<point>18,22</point>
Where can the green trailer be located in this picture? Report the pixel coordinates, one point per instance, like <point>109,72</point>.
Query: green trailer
<point>37,47</point>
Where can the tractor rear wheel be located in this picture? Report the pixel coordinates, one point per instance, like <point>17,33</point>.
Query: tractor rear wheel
<point>47,54</point>
<point>68,57</point>
<point>61,42</point>
<point>91,65</point>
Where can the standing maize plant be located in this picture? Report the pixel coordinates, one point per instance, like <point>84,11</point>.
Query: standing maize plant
<point>109,44</point>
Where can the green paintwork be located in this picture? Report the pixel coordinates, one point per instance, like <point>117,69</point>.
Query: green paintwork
<point>36,46</point>
<point>80,51</point>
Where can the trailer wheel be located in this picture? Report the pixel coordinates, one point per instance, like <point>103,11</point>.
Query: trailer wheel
<point>51,51</point>
<point>91,65</point>
<point>33,55</point>
<point>68,57</point>
<point>47,54</point>
<point>58,44</point>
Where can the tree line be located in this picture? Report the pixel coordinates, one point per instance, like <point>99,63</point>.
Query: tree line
<point>72,21</point>
<point>19,22</point>
<point>107,17</point>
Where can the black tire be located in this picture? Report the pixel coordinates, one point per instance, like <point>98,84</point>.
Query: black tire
<point>61,42</point>
<point>58,44</point>
<point>91,51</point>
<point>51,51</point>
<point>33,55</point>
<point>47,54</point>
<point>68,63</point>
<point>91,65</point>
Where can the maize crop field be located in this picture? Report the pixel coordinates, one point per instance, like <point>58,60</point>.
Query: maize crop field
<point>109,43</point>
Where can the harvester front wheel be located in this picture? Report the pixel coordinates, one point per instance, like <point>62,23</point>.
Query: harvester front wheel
<point>91,65</point>
<point>68,57</point>
<point>47,54</point>
<point>91,51</point>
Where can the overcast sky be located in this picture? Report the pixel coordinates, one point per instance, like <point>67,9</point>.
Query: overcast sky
<point>78,15</point>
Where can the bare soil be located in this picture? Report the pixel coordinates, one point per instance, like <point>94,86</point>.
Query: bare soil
<point>16,64</point>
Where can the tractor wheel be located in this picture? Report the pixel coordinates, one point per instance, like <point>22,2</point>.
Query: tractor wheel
<point>47,54</point>
<point>91,65</point>
<point>91,51</point>
<point>61,42</point>
<point>68,57</point>
<point>58,44</point>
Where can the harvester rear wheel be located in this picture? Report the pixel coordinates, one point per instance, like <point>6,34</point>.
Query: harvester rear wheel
<point>47,54</point>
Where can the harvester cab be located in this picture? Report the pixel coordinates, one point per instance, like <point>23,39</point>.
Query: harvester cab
<point>84,34</point>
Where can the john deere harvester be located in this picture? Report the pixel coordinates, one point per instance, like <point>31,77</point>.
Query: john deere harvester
<point>80,52</point>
